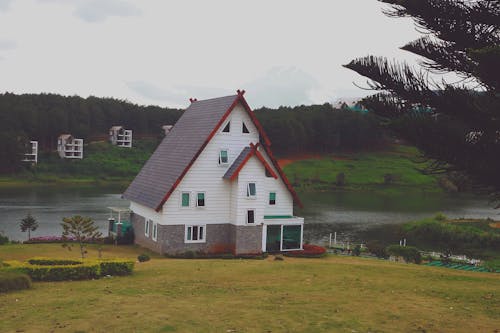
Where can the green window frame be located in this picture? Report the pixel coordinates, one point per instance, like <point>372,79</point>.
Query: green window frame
<point>223,157</point>
<point>200,199</point>
<point>272,198</point>
<point>185,199</point>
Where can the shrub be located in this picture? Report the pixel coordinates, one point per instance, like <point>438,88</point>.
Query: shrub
<point>357,250</point>
<point>143,257</point>
<point>3,239</point>
<point>279,257</point>
<point>116,267</point>
<point>14,281</point>
<point>309,251</point>
<point>440,217</point>
<point>408,253</point>
<point>340,179</point>
<point>84,271</point>
<point>377,248</point>
<point>53,262</point>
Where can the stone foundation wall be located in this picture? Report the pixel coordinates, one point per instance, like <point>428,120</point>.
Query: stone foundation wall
<point>219,238</point>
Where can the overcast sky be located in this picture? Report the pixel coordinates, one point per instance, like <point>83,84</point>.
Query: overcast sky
<point>282,52</point>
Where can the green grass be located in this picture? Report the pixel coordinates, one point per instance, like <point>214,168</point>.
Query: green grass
<point>102,164</point>
<point>333,294</point>
<point>364,170</point>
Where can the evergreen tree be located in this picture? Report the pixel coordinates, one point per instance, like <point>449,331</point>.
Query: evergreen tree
<point>79,229</point>
<point>29,224</point>
<point>456,123</point>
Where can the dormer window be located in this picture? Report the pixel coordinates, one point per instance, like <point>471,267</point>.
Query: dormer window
<point>227,128</point>
<point>245,129</point>
<point>223,157</point>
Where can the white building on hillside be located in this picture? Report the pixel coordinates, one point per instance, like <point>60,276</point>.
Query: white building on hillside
<point>120,136</point>
<point>32,153</point>
<point>213,185</point>
<point>69,147</point>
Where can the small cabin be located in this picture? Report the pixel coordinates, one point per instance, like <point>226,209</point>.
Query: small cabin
<point>69,147</point>
<point>31,155</point>
<point>167,128</point>
<point>120,137</point>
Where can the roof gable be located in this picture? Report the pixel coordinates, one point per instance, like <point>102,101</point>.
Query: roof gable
<point>175,155</point>
<point>243,158</point>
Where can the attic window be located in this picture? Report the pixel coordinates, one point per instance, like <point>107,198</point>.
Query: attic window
<point>223,158</point>
<point>251,190</point>
<point>245,129</point>
<point>227,128</point>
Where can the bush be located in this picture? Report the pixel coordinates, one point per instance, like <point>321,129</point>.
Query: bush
<point>279,257</point>
<point>440,217</point>
<point>53,262</point>
<point>309,251</point>
<point>85,271</point>
<point>3,239</point>
<point>14,281</point>
<point>340,180</point>
<point>377,248</point>
<point>357,250</point>
<point>116,267</point>
<point>408,253</point>
<point>143,257</point>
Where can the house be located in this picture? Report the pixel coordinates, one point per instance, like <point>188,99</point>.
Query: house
<point>213,185</point>
<point>69,147</point>
<point>32,155</point>
<point>120,136</point>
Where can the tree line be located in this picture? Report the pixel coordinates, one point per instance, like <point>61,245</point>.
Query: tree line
<point>292,130</point>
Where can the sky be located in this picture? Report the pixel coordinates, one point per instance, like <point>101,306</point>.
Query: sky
<point>282,52</point>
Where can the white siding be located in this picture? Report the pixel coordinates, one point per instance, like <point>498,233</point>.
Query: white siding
<point>206,175</point>
<point>146,212</point>
<point>253,172</point>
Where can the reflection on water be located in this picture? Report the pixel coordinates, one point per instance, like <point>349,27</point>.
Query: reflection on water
<point>50,204</point>
<point>350,214</point>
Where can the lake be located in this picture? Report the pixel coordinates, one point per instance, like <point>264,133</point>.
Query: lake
<point>351,214</point>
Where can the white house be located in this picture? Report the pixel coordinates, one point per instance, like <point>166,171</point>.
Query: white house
<point>120,136</point>
<point>69,147</point>
<point>213,185</point>
<point>32,153</point>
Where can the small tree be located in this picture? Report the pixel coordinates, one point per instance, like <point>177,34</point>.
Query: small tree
<point>29,224</point>
<point>80,230</point>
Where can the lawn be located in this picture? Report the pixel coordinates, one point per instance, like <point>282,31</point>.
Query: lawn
<point>364,170</point>
<point>333,294</point>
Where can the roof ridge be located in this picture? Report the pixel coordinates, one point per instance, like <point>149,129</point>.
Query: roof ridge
<point>214,98</point>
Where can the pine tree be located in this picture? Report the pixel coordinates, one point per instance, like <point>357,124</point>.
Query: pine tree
<point>456,123</point>
<point>80,230</point>
<point>29,224</point>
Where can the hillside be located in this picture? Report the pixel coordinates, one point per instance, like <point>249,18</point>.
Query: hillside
<point>333,294</point>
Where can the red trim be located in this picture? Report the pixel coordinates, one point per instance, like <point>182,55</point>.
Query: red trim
<point>267,143</point>
<point>261,159</point>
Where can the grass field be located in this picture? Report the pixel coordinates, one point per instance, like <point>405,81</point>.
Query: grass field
<point>333,294</point>
<point>365,170</point>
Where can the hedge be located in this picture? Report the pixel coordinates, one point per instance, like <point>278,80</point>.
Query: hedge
<point>13,281</point>
<point>308,251</point>
<point>409,253</point>
<point>116,267</point>
<point>53,262</point>
<point>86,270</point>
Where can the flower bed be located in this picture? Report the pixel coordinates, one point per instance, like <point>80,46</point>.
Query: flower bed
<point>56,239</point>
<point>309,251</point>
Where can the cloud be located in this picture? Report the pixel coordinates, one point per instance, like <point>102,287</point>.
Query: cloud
<point>282,86</point>
<point>5,5</point>
<point>6,45</point>
<point>176,96</point>
<point>99,10</point>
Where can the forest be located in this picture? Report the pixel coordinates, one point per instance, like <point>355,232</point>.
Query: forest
<point>43,117</point>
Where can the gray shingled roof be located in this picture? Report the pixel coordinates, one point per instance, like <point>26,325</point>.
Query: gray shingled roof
<point>174,154</point>
<point>237,162</point>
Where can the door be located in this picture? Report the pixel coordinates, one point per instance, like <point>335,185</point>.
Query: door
<point>273,239</point>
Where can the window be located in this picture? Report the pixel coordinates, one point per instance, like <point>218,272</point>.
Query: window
<point>245,129</point>
<point>185,199</point>
<point>147,224</point>
<point>251,190</point>
<point>195,234</point>
<point>200,199</point>
<point>223,158</point>
<point>155,231</point>
<point>227,128</point>
<point>250,216</point>
<point>272,198</point>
